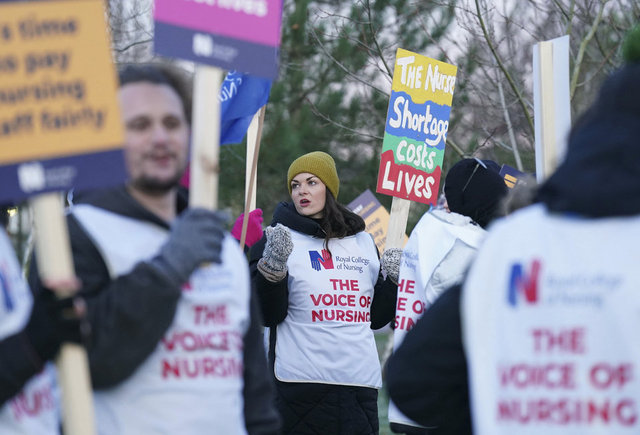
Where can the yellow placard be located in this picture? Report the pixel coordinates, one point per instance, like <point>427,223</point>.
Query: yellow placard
<point>57,81</point>
<point>423,78</point>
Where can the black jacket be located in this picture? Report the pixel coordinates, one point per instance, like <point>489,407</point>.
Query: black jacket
<point>130,315</point>
<point>427,375</point>
<point>315,408</point>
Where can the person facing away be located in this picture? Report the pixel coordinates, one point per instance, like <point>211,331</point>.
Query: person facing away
<point>32,328</point>
<point>322,291</point>
<point>549,310</point>
<point>441,247</point>
<point>168,292</point>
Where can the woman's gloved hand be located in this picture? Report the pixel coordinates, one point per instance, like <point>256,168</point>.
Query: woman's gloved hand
<point>391,263</point>
<point>254,227</point>
<point>273,264</point>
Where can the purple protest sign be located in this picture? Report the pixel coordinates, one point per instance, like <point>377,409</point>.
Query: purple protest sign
<point>244,36</point>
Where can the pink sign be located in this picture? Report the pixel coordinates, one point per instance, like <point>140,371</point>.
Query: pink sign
<point>234,35</point>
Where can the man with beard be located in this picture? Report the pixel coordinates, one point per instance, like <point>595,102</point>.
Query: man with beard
<point>175,334</point>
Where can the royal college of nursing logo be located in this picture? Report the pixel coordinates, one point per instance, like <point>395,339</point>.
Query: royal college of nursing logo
<point>523,284</point>
<point>318,260</point>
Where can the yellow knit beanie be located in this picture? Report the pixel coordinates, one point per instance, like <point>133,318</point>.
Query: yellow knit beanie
<point>319,164</point>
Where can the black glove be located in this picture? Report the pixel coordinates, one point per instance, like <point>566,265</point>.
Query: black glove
<point>54,321</point>
<point>196,238</point>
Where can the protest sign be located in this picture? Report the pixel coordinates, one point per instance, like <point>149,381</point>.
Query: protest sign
<point>416,127</point>
<point>511,176</point>
<point>235,36</point>
<point>59,120</point>
<point>413,145</point>
<point>376,217</point>
<point>59,128</point>
<point>242,36</point>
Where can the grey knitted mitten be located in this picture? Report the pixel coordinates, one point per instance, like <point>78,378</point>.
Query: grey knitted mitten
<point>273,264</point>
<point>391,263</point>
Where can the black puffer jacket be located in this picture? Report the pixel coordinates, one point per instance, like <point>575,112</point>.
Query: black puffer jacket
<point>314,408</point>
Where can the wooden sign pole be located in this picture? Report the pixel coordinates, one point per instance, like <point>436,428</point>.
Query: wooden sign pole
<point>397,223</point>
<point>254,135</point>
<point>549,145</point>
<point>205,146</point>
<point>53,255</point>
<point>552,104</point>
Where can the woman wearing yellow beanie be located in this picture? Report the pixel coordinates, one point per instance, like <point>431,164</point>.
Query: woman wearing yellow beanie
<point>322,291</point>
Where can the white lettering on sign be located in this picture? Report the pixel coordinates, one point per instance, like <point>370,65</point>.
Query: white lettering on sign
<point>259,8</point>
<point>411,76</point>
<point>31,176</point>
<point>203,45</point>
<point>427,123</point>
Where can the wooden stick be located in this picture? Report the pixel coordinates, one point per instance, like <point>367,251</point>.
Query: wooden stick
<point>549,145</point>
<point>53,255</point>
<point>397,223</point>
<point>205,147</point>
<point>254,135</point>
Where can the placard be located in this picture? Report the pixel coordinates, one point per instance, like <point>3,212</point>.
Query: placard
<point>60,125</point>
<point>232,35</point>
<point>416,127</point>
<point>376,217</point>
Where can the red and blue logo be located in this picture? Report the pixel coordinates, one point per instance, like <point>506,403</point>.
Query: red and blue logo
<point>318,260</point>
<point>524,286</point>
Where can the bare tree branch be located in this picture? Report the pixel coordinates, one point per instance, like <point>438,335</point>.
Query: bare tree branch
<point>583,46</point>
<point>342,67</point>
<point>132,44</point>
<point>515,89</point>
<point>317,112</point>
<point>455,147</point>
<point>375,40</point>
<point>507,119</point>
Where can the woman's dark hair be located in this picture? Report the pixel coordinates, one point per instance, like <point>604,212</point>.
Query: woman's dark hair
<point>338,221</point>
<point>160,74</point>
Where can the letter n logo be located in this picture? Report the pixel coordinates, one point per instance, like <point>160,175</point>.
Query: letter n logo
<point>317,260</point>
<point>523,284</point>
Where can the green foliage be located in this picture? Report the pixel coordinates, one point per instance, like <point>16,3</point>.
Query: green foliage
<point>631,45</point>
<point>331,53</point>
